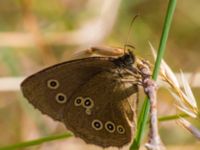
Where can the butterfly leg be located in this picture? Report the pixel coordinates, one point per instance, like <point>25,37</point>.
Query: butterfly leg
<point>132,81</point>
<point>150,89</point>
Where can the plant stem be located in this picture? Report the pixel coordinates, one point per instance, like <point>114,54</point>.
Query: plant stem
<point>35,142</point>
<point>142,121</point>
<point>173,117</point>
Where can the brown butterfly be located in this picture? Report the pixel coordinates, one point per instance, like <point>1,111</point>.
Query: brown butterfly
<point>94,97</point>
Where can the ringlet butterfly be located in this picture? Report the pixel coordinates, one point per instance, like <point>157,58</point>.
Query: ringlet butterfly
<point>94,97</point>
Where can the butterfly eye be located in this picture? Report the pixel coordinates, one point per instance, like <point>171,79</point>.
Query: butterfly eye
<point>97,124</point>
<point>88,103</point>
<point>120,129</point>
<point>53,84</point>
<point>78,101</point>
<point>110,126</point>
<point>61,98</point>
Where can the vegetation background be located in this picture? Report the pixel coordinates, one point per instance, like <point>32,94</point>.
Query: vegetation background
<point>35,34</point>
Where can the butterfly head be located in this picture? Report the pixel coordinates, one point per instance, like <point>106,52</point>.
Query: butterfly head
<point>127,60</point>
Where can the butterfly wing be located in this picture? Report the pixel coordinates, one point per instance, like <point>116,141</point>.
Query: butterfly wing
<point>50,89</point>
<point>100,112</point>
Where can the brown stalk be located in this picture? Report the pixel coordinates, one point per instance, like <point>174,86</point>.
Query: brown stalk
<point>150,88</point>
<point>31,24</point>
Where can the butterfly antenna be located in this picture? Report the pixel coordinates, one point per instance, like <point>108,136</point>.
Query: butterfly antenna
<point>129,31</point>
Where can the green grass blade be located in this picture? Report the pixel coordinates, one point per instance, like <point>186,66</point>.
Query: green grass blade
<point>164,36</point>
<point>172,117</point>
<point>35,142</point>
<point>146,106</point>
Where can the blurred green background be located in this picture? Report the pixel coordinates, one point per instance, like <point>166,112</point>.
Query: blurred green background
<point>35,34</point>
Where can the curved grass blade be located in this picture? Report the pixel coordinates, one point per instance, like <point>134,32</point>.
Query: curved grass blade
<point>35,142</point>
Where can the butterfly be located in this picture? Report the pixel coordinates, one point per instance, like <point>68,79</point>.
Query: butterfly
<point>95,97</point>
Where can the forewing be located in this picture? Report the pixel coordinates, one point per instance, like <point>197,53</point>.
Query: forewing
<point>109,98</point>
<point>50,90</point>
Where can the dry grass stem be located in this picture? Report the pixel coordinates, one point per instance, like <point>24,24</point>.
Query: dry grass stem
<point>97,51</point>
<point>187,125</point>
<point>150,88</point>
<point>31,24</point>
<point>185,99</point>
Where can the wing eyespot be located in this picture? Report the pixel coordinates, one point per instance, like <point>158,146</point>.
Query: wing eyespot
<point>120,129</point>
<point>97,124</point>
<point>78,101</point>
<point>88,103</point>
<point>110,126</point>
<point>61,98</point>
<point>52,84</point>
